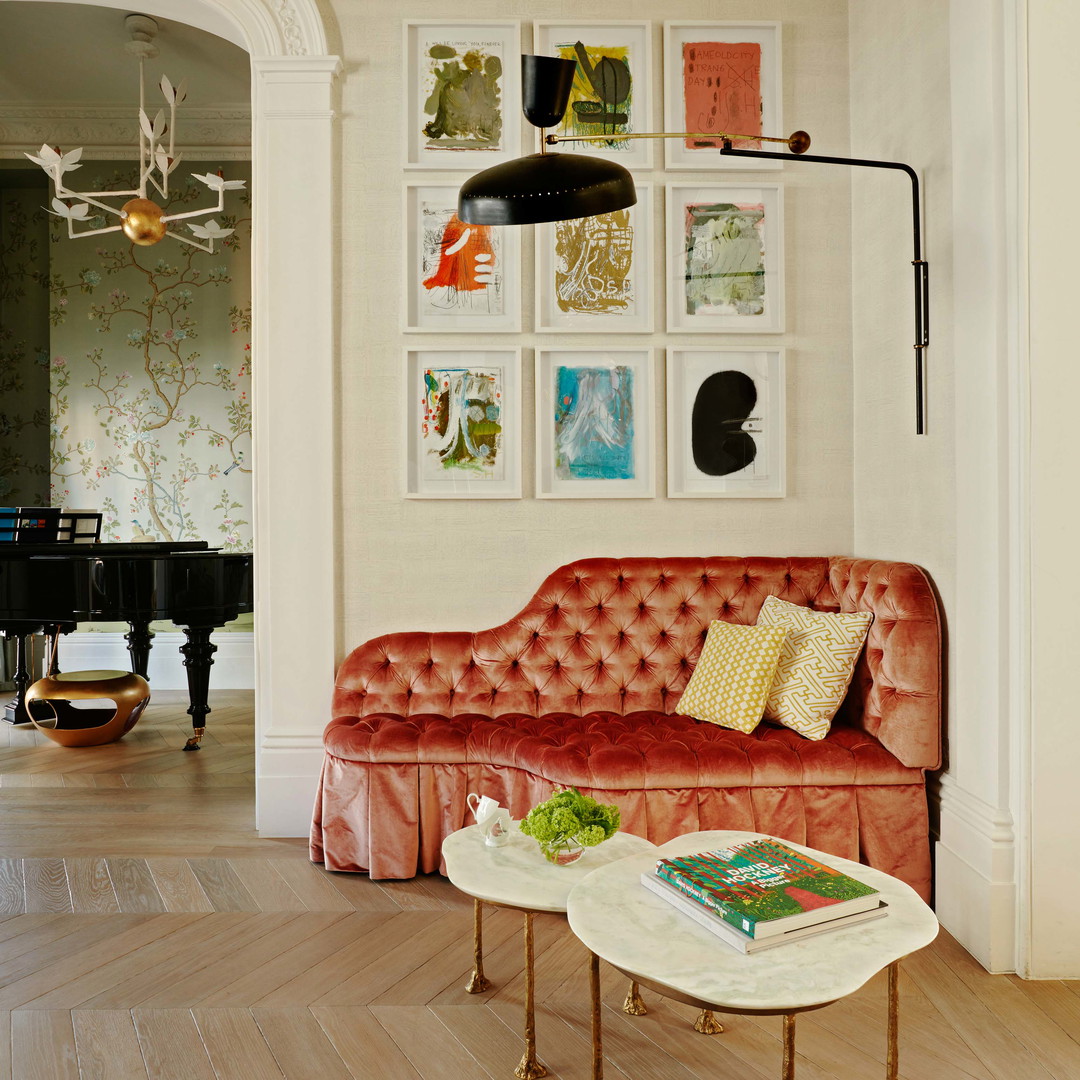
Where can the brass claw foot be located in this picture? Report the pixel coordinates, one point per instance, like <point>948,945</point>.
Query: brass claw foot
<point>707,1024</point>
<point>633,1003</point>
<point>529,1069</point>
<point>193,742</point>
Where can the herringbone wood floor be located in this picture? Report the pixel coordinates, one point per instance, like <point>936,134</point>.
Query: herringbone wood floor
<point>145,931</point>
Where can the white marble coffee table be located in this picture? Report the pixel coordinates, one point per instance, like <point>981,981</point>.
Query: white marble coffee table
<point>518,876</point>
<point>648,940</point>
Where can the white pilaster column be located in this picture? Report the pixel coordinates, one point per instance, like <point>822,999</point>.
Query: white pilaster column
<point>981,854</point>
<point>293,345</point>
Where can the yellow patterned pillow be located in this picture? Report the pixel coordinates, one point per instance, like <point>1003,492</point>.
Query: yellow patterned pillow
<point>732,677</point>
<point>816,662</point>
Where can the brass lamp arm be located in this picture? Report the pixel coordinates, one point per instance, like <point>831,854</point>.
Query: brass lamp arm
<point>798,142</point>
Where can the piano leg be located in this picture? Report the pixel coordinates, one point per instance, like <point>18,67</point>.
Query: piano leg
<point>138,640</point>
<point>198,655</point>
<point>15,710</point>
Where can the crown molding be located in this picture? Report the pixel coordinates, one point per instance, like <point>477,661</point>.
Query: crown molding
<point>112,131</point>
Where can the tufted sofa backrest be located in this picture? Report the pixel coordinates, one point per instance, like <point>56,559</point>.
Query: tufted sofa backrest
<point>623,635</point>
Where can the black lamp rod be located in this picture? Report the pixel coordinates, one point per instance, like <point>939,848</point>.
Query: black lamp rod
<point>922,271</point>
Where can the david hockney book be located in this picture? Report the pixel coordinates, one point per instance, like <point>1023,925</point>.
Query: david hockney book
<point>704,916</point>
<point>763,887</point>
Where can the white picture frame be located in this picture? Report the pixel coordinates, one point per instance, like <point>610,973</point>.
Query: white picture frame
<point>615,386</point>
<point>725,262</point>
<point>467,281</point>
<point>708,433</point>
<point>734,68</point>
<point>595,274</point>
<point>628,42</point>
<point>431,139</point>
<point>440,466</point>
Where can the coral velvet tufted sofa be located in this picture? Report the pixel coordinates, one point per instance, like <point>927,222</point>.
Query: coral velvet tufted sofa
<point>582,687</point>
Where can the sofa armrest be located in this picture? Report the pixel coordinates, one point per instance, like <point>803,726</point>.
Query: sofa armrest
<point>896,690</point>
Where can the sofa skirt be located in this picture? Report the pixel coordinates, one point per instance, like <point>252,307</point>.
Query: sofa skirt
<point>389,820</point>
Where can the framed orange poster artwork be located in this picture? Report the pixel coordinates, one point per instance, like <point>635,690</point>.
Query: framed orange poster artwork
<point>720,78</point>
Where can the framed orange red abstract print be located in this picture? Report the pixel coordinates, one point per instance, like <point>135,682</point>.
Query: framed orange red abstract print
<point>720,78</point>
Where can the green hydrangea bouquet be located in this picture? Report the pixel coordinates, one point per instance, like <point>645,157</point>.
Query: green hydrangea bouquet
<point>568,822</point>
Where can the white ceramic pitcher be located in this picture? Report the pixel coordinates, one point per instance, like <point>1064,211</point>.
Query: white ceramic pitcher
<point>492,819</point>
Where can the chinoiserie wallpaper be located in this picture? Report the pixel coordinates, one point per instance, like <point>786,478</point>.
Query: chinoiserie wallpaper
<point>150,372</point>
<point>24,341</point>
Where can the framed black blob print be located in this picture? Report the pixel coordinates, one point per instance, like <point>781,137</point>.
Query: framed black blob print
<point>726,423</point>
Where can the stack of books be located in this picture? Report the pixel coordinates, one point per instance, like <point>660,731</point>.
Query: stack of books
<point>763,893</point>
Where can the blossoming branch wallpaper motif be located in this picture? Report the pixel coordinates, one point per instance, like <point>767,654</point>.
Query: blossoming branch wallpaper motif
<point>150,365</point>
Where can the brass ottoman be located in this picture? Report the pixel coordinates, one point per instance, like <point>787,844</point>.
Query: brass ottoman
<point>51,705</point>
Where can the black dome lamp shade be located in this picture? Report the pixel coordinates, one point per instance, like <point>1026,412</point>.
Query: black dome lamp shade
<point>545,186</point>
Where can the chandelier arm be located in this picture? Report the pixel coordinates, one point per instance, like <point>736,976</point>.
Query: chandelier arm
<point>73,235</point>
<point>172,139</point>
<point>142,135</point>
<point>198,213</point>
<point>208,248</point>
<point>63,193</point>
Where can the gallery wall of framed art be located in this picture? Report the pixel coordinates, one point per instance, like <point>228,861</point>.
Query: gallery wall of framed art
<point>585,339</point>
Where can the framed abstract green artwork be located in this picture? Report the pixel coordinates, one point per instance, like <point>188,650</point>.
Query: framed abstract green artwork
<point>725,258</point>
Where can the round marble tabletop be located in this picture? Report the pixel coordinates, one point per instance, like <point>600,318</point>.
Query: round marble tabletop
<point>517,874</point>
<point>621,921</point>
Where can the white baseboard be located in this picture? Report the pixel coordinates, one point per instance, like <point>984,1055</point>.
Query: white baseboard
<point>975,879</point>
<point>288,779</point>
<point>233,667</point>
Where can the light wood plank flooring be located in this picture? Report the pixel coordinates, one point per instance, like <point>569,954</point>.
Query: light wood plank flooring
<point>146,931</point>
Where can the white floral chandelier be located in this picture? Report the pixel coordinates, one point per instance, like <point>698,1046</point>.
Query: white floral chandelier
<point>142,220</point>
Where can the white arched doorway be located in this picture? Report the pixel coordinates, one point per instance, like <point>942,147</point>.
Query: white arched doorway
<point>293,338</point>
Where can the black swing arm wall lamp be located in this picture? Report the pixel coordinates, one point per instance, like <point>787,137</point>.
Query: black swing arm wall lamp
<point>558,187</point>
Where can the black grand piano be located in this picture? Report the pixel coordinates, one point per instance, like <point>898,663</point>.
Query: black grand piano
<point>52,586</point>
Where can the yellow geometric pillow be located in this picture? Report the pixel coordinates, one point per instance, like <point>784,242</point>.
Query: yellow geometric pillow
<point>733,674</point>
<point>816,663</point>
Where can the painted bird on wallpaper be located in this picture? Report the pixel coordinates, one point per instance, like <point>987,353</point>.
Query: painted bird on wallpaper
<point>137,534</point>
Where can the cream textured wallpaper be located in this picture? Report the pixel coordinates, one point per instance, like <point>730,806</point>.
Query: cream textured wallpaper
<point>412,564</point>
<point>900,55</point>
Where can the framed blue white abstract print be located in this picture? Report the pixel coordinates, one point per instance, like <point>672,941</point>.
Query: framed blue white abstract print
<point>594,423</point>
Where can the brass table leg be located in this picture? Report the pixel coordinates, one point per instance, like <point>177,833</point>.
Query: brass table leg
<point>477,984</point>
<point>707,1024</point>
<point>633,1003</point>
<point>529,1068</point>
<point>892,1059</point>
<point>597,1036</point>
<point>789,1047</point>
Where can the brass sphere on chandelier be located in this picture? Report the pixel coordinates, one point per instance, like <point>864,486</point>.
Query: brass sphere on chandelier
<point>141,220</point>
